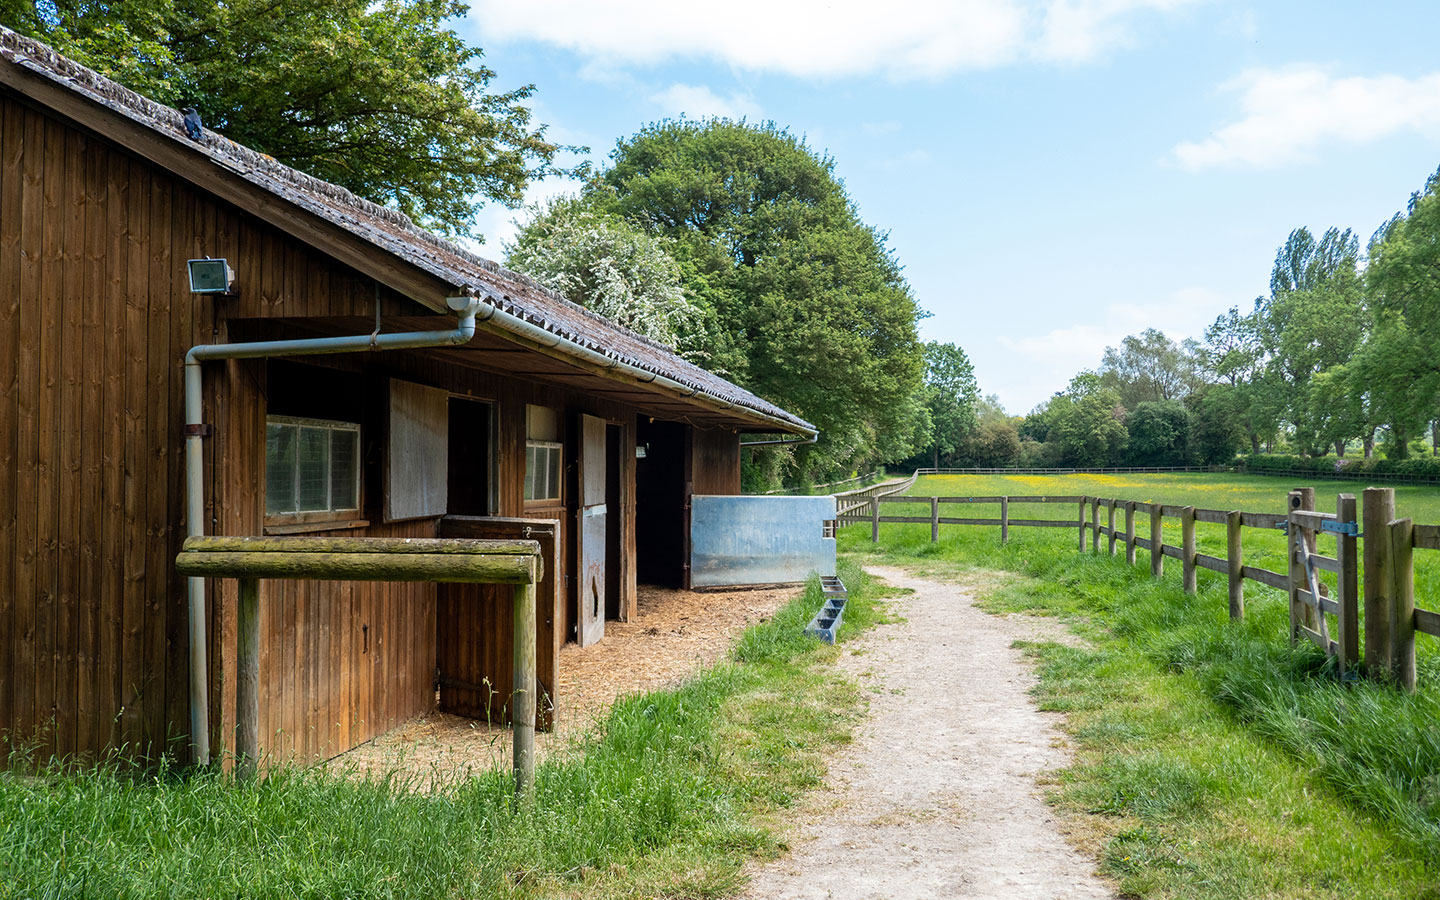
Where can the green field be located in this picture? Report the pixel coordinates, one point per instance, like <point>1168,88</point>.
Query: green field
<point>1214,759</point>
<point>1251,493</point>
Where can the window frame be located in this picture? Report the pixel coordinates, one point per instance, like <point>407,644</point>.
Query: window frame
<point>558,470</point>
<point>316,519</point>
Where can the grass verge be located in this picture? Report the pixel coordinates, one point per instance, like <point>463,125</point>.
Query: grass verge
<point>668,797</point>
<point>1213,759</point>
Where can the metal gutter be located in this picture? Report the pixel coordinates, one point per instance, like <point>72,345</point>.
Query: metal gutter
<point>490,312</point>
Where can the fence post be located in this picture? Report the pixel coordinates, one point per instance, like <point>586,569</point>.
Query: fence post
<point>1084,501</point>
<point>934,519</point>
<point>1235,559</point>
<point>1402,616</point>
<point>1187,548</point>
<point>874,520</point>
<point>1348,579</point>
<point>1157,541</point>
<point>1378,509</point>
<point>1004,520</point>
<point>247,679</point>
<point>522,704</point>
<point>1111,505</point>
<point>1130,532</point>
<point>1094,524</point>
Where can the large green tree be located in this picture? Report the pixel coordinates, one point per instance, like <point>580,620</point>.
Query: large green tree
<point>1149,367</point>
<point>951,395</point>
<point>379,96</point>
<point>1398,369</point>
<point>1086,423</point>
<point>810,305</point>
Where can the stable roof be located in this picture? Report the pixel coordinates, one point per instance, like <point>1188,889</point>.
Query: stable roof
<point>413,261</point>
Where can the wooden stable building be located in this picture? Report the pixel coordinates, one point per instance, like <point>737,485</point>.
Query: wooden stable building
<point>549,422</point>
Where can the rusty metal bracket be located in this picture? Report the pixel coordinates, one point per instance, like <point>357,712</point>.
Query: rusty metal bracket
<point>203,431</point>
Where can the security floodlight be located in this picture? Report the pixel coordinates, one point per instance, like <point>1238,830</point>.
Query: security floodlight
<point>211,276</point>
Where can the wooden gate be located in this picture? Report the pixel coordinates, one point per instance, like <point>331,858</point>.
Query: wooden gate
<point>1310,602</point>
<point>590,533</point>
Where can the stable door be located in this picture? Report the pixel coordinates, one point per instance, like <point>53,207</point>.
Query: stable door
<point>591,534</point>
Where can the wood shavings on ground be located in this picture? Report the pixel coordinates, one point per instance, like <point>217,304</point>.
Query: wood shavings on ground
<point>676,634</point>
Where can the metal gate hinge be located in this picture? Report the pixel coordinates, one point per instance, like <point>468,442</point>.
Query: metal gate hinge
<point>1350,528</point>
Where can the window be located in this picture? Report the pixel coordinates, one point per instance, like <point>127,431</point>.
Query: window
<point>542,454</point>
<point>312,469</point>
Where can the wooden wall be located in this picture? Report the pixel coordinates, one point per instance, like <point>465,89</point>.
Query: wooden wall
<point>714,461</point>
<point>95,318</point>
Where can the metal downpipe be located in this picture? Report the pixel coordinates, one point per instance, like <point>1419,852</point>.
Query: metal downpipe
<point>465,307</point>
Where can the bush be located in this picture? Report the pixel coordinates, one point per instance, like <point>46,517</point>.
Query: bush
<point>1260,463</point>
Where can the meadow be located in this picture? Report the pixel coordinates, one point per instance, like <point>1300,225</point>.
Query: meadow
<point>669,796</point>
<point>1214,759</point>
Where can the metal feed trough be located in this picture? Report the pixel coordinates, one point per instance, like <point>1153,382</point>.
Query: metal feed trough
<point>827,621</point>
<point>248,559</point>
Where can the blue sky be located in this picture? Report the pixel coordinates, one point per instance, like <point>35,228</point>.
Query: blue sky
<point>1053,174</point>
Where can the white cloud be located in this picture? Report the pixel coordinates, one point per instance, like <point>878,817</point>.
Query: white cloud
<point>811,38</point>
<point>699,102</point>
<point>1287,114</point>
<point>1036,366</point>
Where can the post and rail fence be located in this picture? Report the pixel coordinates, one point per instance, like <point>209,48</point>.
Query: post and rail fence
<point>1390,615</point>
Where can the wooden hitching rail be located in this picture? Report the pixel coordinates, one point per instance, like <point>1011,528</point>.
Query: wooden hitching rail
<point>463,560</point>
<point>1389,607</point>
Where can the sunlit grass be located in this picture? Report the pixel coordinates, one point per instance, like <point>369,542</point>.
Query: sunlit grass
<point>668,797</point>
<point>1215,759</point>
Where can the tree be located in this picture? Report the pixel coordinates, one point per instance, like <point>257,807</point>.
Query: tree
<point>608,265</point>
<point>1401,360</point>
<point>1314,321</point>
<point>1086,423</point>
<point>812,310</point>
<point>379,97</point>
<point>1150,367</point>
<point>1159,434</point>
<point>1235,356</point>
<point>950,396</point>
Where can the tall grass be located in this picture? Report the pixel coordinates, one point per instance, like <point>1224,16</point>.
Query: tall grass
<point>667,796</point>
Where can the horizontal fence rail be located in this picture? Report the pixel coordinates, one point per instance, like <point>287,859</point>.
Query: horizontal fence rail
<point>1325,474</point>
<point>1391,617</point>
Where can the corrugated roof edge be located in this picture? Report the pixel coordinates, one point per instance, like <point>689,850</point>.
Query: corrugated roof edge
<point>258,168</point>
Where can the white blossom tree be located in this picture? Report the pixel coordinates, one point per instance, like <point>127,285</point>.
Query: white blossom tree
<point>607,265</point>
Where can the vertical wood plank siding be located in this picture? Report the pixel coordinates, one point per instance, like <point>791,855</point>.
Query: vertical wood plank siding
<point>95,318</point>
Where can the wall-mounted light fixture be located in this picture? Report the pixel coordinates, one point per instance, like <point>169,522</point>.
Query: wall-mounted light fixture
<point>211,276</point>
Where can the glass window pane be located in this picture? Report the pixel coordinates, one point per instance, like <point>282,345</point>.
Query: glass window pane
<point>314,487</point>
<point>553,485</point>
<point>344,461</point>
<point>279,468</point>
<point>529,472</point>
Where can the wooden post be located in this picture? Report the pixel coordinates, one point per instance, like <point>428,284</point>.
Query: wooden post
<point>522,702</point>
<point>1130,532</point>
<point>1110,504</point>
<point>1402,616</point>
<point>1187,548</point>
<point>1349,583</point>
<point>1004,520</point>
<point>1235,560</point>
<point>1095,525</point>
<point>1377,506</point>
<point>934,519</point>
<point>1157,541</point>
<point>1083,502</point>
<point>247,679</point>
<point>874,520</point>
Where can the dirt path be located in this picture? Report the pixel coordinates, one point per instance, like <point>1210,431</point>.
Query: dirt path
<point>937,795</point>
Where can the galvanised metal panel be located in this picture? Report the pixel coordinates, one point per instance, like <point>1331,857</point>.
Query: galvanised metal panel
<point>759,540</point>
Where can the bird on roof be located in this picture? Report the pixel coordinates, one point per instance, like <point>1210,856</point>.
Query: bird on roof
<point>192,123</point>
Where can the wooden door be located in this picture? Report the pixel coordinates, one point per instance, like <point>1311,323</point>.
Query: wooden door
<point>591,532</point>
